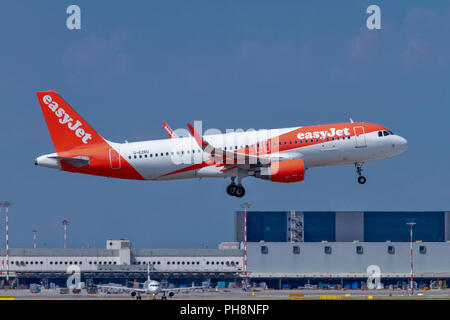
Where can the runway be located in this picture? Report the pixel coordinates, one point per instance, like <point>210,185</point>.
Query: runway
<point>238,294</point>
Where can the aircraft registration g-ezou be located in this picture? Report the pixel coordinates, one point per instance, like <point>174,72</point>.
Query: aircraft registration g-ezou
<point>278,155</point>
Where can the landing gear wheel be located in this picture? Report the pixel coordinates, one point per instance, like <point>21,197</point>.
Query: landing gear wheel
<point>163,298</point>
<point>231,189</point>
<point>358,167</point>
<point>239,192</point>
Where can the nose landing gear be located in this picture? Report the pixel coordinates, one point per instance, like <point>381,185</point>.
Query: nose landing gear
<point>236,190</point>
<point>361,178</point>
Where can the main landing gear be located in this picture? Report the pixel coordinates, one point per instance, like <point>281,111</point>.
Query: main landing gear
<point>361,178</point>
<point>236,190</point>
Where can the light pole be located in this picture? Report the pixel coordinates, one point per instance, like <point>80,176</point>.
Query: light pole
<point>245,206</point>
<point>3,261</point>
<point>411,224</point>
<point>7,204</point>
<point>34,239</point>
<point>65,223</point>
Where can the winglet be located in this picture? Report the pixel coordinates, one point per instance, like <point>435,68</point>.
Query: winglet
<point>202,143</point>
<point>169,131</point>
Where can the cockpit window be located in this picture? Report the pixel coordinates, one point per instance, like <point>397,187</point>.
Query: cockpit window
<point>385,133</point>
<point>390,132</point>
<point>380,134</point>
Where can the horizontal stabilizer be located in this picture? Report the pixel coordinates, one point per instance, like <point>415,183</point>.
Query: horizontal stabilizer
<point>75,161</point>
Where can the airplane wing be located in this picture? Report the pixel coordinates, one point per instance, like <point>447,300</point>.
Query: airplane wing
<point>238,158</point>
<point>184,289</point>
<point>120,288</point>
<point>169,131</point>
<point>73,161</point>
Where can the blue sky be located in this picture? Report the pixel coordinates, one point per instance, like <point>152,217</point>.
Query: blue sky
<point>231,64</point>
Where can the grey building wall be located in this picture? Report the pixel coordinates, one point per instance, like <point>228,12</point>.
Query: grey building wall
<point>447,225</point>
<point>41,252</point>
<point>349,226</point>
<point>344,261</point>
<point>238,226</point>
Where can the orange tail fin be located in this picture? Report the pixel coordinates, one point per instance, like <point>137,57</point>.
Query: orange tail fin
<point>67,129</point>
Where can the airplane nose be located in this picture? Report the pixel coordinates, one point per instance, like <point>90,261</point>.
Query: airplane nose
<point>401,144</point>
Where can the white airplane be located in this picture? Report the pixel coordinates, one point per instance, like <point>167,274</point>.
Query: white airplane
<point>151,287</point>
<point>278,155</point>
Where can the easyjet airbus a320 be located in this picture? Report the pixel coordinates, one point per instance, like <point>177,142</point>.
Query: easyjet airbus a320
<point>278,155</point>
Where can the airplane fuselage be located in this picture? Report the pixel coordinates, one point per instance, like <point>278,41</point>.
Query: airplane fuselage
<point>181,158</point>
<point>278,155</point>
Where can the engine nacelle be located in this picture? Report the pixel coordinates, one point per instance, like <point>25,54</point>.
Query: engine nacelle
<point>171,294</point>
<point>283,171</point>
<point>133,293</point>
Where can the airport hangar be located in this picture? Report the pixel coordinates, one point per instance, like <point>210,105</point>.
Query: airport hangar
<point>284,249</point>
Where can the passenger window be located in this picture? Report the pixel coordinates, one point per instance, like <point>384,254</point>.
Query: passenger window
<point>140,156</point>
<point>162,154</point>
<point>156,154</point>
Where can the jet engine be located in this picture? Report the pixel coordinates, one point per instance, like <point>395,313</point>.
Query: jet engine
<point>283,171</point>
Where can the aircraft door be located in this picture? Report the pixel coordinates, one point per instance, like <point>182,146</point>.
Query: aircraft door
<point>114,159</point>
<point>360,137</point>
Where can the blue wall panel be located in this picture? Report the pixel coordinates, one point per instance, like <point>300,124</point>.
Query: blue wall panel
<point>319,226</point>
<point>267,226</point>
<point>383,226</point>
